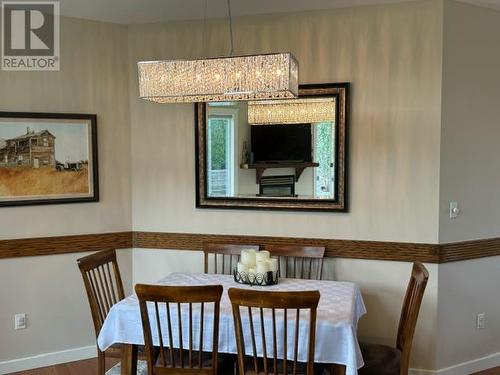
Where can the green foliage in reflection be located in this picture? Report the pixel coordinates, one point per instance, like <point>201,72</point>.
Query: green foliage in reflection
<point>324,155</point>
<point>218,128</point>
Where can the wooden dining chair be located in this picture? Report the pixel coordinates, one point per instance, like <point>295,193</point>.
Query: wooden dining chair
<point>273,305</point>
<point>169,309</point>
<point>104,287</point>
<point>385,360</point>
<point>225,257</point>
<point>299,262</point>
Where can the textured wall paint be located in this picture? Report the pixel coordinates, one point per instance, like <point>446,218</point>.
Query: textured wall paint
<point>470,123</point>
<point>93,79</point>
<point>50,291</point>
<point>391,54</point>
<point>469,174</point>
<point>465,290</point>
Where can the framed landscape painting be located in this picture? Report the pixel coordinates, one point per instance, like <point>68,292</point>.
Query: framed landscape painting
<point>48,158</point>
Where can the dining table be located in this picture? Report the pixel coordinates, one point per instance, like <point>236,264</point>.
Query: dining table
<point>339,310</point>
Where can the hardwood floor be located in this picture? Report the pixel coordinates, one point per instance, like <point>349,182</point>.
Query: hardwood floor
<point>493,371</point>
<point>86,367</point>
<point>89,367</point>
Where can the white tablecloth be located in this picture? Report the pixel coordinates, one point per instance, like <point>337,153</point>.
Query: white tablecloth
<point>339,310</point>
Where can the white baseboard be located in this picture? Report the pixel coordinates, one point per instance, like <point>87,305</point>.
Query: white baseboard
<point>464,368</point>
<point>47,359</point>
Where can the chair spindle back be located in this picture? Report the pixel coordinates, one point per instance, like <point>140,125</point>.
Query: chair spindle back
<point>261,306</point>
<point>103,284</point>
<point>299,262</point>
<point>225,257</point>
<point>165,315</point>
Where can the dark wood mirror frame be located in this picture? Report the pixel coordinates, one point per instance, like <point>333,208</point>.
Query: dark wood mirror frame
<point>340,91</point>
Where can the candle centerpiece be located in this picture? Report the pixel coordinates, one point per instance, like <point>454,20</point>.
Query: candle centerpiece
<point>256,268</point>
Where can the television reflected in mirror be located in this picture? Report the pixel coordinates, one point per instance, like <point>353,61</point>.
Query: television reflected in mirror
<point>274,154</point>
<point>295,143</point>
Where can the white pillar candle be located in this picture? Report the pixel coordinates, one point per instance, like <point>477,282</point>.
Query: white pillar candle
<point>248,257</point>
<point>273,264</point>
<point>261,255</point>
<point>242,267</point>
<point>262,266</point>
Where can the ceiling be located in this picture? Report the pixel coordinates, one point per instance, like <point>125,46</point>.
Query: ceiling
<point>149,11</point>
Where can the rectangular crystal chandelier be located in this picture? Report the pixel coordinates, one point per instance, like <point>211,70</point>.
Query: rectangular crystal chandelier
<point>294,111</point>
<point>256,77</point>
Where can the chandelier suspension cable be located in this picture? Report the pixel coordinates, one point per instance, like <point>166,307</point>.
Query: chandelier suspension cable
<point>231,52</point>
<point>205,36</point>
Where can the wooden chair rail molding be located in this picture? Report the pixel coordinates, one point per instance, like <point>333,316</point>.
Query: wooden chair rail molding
<point>64,244</point>
<point>334,248</point>
<point>374,250</point>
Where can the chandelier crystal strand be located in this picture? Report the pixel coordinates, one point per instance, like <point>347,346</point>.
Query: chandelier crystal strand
<point>256,77</point>
<point>293,111</point>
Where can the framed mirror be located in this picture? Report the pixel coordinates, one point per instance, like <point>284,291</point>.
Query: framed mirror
<point>286,154</point>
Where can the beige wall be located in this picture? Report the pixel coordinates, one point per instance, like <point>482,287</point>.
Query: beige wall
<point>470,123</point>
<point>50,291</point>
<point>466,289</point>
<point>93,79</point>
<point>470,155</point>
<point>392,55</point>
<point>399,186</point>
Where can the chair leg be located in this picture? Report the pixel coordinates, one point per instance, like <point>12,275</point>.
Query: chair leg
<point>338,369</point>
<point>128,359</point>
<point>101,363</point>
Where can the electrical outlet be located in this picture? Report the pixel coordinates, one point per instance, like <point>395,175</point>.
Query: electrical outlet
<point>20,321</point>
<point>480,321</point>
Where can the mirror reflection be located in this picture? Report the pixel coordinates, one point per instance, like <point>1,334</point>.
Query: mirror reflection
<point>272,149</point>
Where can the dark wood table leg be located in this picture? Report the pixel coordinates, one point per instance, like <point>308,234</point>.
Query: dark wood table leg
<point>129,359</point>
<point>338,369</point>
